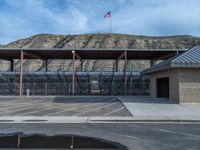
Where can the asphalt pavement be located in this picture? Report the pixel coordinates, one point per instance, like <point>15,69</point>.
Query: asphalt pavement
<point>62,106</point>
<point>134,136</point>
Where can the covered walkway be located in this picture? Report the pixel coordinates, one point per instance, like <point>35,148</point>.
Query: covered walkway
<point>58,53</point>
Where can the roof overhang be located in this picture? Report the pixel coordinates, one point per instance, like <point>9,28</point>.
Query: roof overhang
<point>189,59</point>
<point>89,53</point>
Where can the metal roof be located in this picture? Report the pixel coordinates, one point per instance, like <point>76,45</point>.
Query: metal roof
<point>189,59</point>
<point>89,53</point>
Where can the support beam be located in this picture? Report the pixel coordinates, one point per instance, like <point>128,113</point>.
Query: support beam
<point>152,62</point>
<point>101,84</point>
<point>131,84</point>
<point>73,73</point>
<point>74,56</point>
<point>32,55</point>
<point>112,83</point>
<point>116,65</point>
<point>12,65</point>
<point>81,65</point>
<point>46,65</point>
<point>21,73</point>
<point>164,57</point>
<point>89,83</point>
<point>125,72</point>
<point>117,60</point>
<point>121,56</point>
<point>77,56</point>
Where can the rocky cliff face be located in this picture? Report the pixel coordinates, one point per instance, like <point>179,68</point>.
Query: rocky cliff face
<point>99,41</point>
<point>106,41</point>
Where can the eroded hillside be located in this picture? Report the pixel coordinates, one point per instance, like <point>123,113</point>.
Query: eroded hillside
<point>97,41</point>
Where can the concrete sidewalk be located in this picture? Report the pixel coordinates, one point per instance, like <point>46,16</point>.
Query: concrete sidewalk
<point>151,108</point>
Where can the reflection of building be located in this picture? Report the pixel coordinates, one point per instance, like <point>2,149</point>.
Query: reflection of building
<point>178,77</point>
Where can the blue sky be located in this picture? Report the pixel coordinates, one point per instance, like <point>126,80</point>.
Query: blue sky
<point>23,18</point>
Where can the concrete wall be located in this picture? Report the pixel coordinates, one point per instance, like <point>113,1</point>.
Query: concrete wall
<point>184,84</point>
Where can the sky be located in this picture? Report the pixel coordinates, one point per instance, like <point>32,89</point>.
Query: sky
<point>24,18</point>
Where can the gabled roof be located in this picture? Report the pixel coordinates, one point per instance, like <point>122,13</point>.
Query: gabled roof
<point>189,59</point>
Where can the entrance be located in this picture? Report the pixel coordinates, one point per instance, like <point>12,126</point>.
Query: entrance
<point>163,87</point>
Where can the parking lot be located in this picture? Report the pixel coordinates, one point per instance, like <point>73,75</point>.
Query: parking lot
<point>62,106</point>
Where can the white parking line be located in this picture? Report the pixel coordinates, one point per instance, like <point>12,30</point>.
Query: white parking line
<point>24,104</point>
<point>94,109</point>
<point>83,106</point>
<point>54,107</point>
<point>114,111</point>
<point>69,105</point>
<point>29,106</point>
<point>164,130</point>
<point>21,101</point>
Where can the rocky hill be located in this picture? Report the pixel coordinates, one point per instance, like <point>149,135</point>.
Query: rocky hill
<point>106,41</point>
<point>99,41</point>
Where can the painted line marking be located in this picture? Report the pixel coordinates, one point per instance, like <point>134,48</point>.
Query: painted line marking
<point>54,107</point>
<point>74,103</point>
<point>114,111</point>
<point>25,104</point>
<point>164,130</point>
<point>74,108</point>
<point>32,105</point>
<point>27,107</point>
<point>78,114</point>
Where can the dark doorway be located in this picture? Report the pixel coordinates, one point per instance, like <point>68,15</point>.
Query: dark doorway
<point>163,87</point>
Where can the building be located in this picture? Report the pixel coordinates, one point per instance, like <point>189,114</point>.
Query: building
<point>116,82</point>
<point>177,78</point>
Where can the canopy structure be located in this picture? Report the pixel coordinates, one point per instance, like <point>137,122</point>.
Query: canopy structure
<point>85,53</point>
<point>88,53</point>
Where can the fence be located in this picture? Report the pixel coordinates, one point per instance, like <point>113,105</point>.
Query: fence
<point>87,83</point>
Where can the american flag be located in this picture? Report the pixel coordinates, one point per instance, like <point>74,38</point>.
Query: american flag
<point>107,15</point>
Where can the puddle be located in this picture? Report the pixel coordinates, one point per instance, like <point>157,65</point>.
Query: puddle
<point>40,141</point>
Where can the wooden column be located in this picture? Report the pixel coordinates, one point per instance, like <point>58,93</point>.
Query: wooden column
<point>12,65</point>
<point>73,73</point>
<point>152,62</point>
<point>46,65</point>
<point>116,65</point>
<point>125,72</point>
<point>81,65</point>
<point>21,73</point>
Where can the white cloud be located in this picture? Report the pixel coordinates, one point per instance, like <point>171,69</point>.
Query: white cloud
<point>148,17</point>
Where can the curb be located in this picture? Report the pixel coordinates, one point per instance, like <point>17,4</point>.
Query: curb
<point>69,119</point>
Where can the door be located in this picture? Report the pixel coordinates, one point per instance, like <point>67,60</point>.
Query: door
<point>163,87</point>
